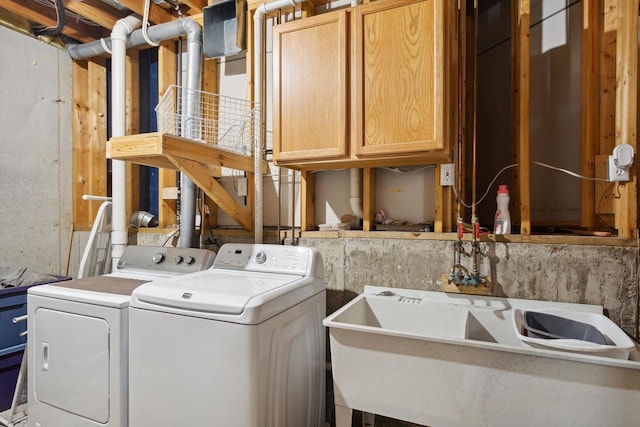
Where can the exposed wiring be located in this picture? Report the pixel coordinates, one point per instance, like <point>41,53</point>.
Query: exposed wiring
<point>568,172</point>
<point>488,187</point>
<point>172,234</point>
<point>409,172</point>
<point>60,21</point>
<point>145,24</point>
<point>78,18</point>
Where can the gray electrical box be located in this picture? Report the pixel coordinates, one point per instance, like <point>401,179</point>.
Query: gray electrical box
<point>220,27</point>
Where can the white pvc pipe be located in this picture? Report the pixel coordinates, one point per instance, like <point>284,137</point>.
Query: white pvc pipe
<point>124,37</point>
<point>260,97</point>
<point>190,129</point>
<point>355,197</point>
<point>119,35</point>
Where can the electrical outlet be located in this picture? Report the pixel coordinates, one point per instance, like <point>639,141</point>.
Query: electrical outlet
<point>447,174</point>
<point>615,173</point>
<point>242,187</point>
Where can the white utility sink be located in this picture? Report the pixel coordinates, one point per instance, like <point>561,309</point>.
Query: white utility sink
<point>448,360</point>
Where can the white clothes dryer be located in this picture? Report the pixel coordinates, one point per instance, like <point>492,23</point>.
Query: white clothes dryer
<point>241,344</point>
<point>78,338</point>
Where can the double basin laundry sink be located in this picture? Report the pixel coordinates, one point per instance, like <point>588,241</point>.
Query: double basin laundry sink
<point>446,360</point>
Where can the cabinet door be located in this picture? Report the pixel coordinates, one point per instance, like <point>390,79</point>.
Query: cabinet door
<point>398,66</point>
<point>310,88</point>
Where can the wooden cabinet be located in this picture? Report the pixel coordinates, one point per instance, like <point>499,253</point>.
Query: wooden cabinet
<point>311,88</point>
<point>368,86</point>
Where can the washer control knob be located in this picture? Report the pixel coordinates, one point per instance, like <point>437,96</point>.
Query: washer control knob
<point>261,257</point>
<point>158,258</point>
<point>178,259</point>
<point>190,260</point>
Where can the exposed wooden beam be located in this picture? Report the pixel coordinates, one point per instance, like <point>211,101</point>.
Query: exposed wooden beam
<point>46,16</point>
<point>369,198</point>
<point>133,127</point>
<point>167,63</point>
<point>520,108</point>
<point>93,12</point>
<point>307,201</point>
<point>199,175</point>
<point>157,15</point>
<point>626,206</point>
<point>590,106</point>
<point>196,6</point>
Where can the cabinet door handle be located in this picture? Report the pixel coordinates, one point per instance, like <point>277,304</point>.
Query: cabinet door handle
<point>45,356</point>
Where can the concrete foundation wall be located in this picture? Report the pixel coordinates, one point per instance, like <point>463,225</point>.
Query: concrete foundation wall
<point>35,160</point>
<point>599,275</point>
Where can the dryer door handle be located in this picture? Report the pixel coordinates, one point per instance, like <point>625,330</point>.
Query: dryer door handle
<point>45,356</point>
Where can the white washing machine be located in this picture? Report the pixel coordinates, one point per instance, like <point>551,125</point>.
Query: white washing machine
<point>240,345</point>
<point>78,338</point>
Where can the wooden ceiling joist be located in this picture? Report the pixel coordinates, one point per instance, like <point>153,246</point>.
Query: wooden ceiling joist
<point>94,11</point>
<point>195,6</point>
<point>46,16</point>
<point>157,15</point>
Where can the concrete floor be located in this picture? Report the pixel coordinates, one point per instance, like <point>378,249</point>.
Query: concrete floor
<point>21,409</point>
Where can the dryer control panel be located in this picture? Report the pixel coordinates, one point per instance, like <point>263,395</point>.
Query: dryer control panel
<point>165,259</point>
<point>296,260</point>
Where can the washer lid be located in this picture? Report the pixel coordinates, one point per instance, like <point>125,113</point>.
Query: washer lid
<point>216,291</point>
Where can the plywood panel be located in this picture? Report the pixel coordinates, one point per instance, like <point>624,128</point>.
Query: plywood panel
<point>81,152</point>
<point>89,138</point>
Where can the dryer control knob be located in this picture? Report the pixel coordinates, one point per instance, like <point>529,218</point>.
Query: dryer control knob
<point>157,258</point>
<point>178,259</point>
<point>261,257</point>
<point>190,260</point>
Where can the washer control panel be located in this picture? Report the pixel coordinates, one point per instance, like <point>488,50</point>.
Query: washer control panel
<point>170,259</point>
<point>296,260</point>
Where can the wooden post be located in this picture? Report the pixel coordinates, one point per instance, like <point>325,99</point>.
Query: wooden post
<point>133,127</point>
<point>607,138</point>
<point>307,201</point>
<point>626,206</point>
<point>590,106</point>
<point>210,84</point>
<point>167,215</point>
<point>520,110</point>
<point>368,198</point>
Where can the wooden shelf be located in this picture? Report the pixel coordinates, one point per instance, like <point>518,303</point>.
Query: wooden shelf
<point>159,150</point>
<point>198,161</point>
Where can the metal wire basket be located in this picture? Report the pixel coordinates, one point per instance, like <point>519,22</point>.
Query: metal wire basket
<point>213,119</point>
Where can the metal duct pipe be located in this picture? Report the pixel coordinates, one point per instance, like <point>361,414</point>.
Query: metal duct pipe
<point>192,130</point>
<point>157,33</point>
<point>119,233</point>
